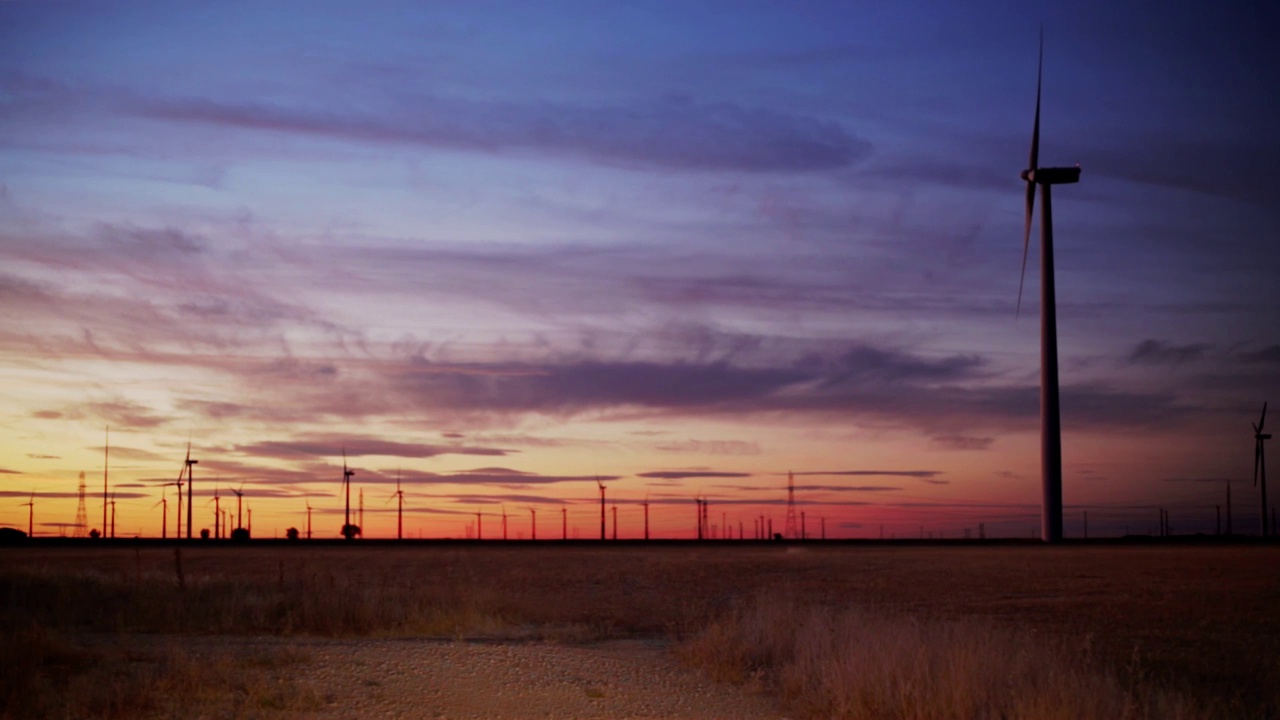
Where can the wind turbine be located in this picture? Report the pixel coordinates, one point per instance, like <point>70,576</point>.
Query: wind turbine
<point>217,513</point>
<point>504,523</point>
<point>1050,424</point>
<point>164,513</point>
<point>564,523</point>
<point>533,523</point>
<point>239,504</point>
<point>646,516</point>
<point>348,530</point>
<point>308,518</point>
<point>31,513</point>
<point>399,508</point>
<point>177,528</point>
<point>479,533</point>
<point>615,521</point>
<point>191,486</point>
<point>113,516</point>
<point>698,501</point>
<point>1260,465</point>
<point>601,506</point>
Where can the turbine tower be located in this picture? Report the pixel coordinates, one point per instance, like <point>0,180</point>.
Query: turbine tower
<point>1050,425</point>
<point>1260,466</point>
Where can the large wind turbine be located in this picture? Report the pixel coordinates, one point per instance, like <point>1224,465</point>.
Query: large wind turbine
<point>1050,425</point>
<point>1260,465</point>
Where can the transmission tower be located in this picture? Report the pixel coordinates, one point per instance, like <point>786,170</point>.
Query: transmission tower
<point>791,530</point>
<point>82,519</point>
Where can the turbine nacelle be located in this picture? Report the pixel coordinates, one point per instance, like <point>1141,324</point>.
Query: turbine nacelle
<point>1052,176</point>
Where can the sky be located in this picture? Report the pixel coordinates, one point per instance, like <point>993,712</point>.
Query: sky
<point>498,250</point>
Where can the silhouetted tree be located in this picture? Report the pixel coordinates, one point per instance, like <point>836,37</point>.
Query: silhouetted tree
<point>240,535</point>
<point>291,533</point>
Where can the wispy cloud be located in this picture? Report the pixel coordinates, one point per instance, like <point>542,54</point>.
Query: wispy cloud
<point>1157,352</point>
<point>689,474</point>
<point>334,445</point>
<point>670,132</point>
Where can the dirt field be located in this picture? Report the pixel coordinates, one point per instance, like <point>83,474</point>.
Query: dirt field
<point>1205,619</point>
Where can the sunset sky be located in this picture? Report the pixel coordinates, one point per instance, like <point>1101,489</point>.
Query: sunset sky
<point>687,247</point>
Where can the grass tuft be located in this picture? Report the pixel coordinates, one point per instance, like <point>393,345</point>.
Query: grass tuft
<point>852,663</point>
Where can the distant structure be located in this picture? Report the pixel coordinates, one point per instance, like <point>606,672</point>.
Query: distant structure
<point>399,510</point>
<point>646,517</point>
<point>164,514</point>
<point>533,523</point>
<point>564,523</point>
<point>191,487</point>
<point>1050,418</point>
<point>601,485</point>
<point>791,530</point>
<point>1260,467</point>
<point>615,522</point>
<point>82,519</point>
<point>308,518</point>
<point>360,522</point>
<point>698,509</point>
<point>349,531</point>
<point>31,514</point>
<point>217,513</point>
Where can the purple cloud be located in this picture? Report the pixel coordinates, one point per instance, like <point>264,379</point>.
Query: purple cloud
<point>669,133</point>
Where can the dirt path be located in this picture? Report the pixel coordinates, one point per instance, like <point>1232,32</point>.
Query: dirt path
<point>443,680</point>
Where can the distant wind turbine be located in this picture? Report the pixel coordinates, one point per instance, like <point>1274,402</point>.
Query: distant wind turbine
<point>1260,466</point>
<point>533,523</point>
<point>191,487</point>
<point>348,530</point>
<point>308,518</point>
<point>601,485</point>
<point>399,508</point>
<point>239,506</point>
<point>31,513</point>
<point>1050,422</point>
<point>564,523</point>
<point>164,514</point>
<point>646,516</point>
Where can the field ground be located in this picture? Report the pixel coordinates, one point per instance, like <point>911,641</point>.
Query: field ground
<point>1201,619</point>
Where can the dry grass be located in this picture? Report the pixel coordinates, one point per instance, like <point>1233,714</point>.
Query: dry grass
<point>1203,619</point>
<point>850,663</point>
<point>49,675</point>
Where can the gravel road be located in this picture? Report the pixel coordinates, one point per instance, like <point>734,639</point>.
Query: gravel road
<point>451,680</point>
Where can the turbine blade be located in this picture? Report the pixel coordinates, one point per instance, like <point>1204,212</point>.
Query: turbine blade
<point>1026,244</point>
<point>1031,186</point>
<point>1035,129</point>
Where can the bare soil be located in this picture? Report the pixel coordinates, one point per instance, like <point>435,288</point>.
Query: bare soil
<point>351,679</point>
